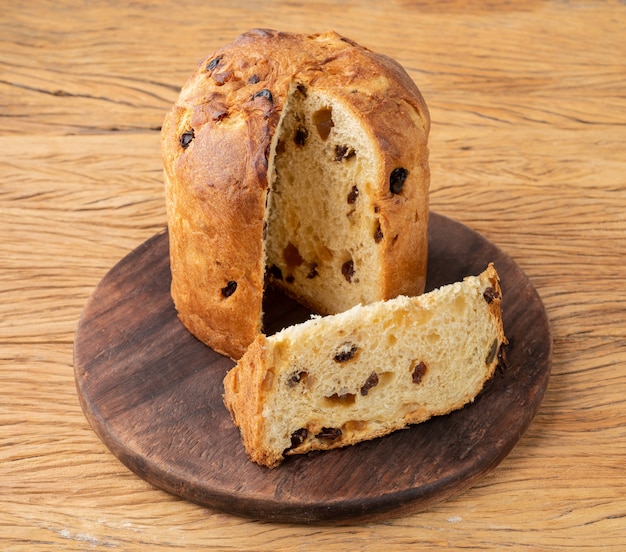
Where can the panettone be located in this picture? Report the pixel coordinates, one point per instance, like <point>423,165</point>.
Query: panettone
<point>337,380</point>
<point>299,161</point>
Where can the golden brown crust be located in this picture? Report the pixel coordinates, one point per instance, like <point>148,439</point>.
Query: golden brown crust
<point>244,398</point>
<point>216,142</point>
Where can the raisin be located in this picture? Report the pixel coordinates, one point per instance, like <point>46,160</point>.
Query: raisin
<point>372,381</point>
<point>214,63</point>
<point>298,437</point>
<point>378,234</point>
<point>253,79</point>
<point>313,272</point>
<point>323,121</point>
<point>492,352</point>
<point>418,372</point>
<point>292,255</point>
<point>396,180</point>
<point>353,426</point>
<point>346,352</point>
<point>343,152</point>
<point>230,288</point>
<point>265,93</point>
<point>347,269</point>
<point>354,193</point>
<point>275,272</point>
<point>186,138</point>
<point>296,378</point>
<point>330,433</point>
<point>490,295</point>
<point>301,136</point>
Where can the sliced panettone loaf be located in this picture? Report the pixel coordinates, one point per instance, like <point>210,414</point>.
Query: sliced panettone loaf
<point>337,380</point>
<point>298,160</point>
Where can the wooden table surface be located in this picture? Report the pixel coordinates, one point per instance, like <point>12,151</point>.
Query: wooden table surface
<point>528,147</point>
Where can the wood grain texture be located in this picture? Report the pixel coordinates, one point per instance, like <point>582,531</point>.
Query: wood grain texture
<point>527,147</point>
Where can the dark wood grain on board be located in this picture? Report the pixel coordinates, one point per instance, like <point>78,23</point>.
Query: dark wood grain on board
<point>153,394</point>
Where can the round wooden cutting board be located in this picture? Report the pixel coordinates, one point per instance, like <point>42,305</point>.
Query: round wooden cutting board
<point>153,394</point>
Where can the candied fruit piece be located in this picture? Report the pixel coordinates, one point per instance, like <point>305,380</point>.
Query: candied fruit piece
<point>292,255</point>
<point>343,398</point>
<point>323,121</point>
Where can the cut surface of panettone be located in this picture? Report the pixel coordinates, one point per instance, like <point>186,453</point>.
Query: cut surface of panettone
<point>323,231</point>
<point>337,380</point>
